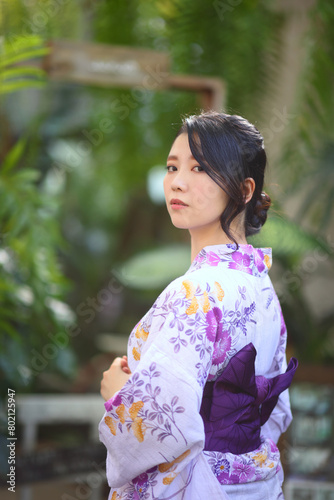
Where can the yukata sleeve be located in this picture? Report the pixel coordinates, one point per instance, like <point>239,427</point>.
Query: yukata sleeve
<point>154,420</point>
<point>281,415</point>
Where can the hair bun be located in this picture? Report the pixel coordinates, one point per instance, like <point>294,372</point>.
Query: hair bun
<point>264,202</point>
<point>258,216</point>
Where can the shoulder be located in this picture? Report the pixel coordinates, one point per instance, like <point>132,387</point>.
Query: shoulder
<point>213,283</point>
<point>191,292</point>
<point>218,282</point>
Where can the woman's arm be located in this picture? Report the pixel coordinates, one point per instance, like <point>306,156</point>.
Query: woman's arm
<point>153,421</point>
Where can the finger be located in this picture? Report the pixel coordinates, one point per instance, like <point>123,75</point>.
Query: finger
<point>116,362</point>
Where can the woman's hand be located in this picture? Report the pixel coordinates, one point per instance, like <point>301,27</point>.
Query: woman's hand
<point>115,377</point>
<point>124,365</point>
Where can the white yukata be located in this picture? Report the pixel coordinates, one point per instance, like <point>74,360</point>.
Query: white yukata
<point>152,427</point>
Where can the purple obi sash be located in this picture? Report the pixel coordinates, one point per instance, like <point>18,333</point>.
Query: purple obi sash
<point>238,402</point>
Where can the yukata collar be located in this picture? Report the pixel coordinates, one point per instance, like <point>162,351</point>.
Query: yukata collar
<point>245,258</point>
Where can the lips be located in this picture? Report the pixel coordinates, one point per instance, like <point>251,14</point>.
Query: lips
<point>175,201</point>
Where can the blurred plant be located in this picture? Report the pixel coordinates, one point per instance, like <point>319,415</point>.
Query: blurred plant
<point>103,208</point>
<point>307,162</point>
<point>243,46</point>
<point>242,43</point>
<point>15,72</point>
<point>299,254</point>
<point>309,151</point>
<point>32,285</point>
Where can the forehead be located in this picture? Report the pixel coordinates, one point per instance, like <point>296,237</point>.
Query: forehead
<point>180,147</point>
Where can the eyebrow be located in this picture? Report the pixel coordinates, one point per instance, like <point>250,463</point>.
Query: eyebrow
<point>174,157</point>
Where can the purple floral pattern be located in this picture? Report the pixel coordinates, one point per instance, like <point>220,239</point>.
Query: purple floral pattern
<point>213,259</point>
<point>222,347</point>
<point>240,262</point>
<point>200,323</point>
<point>240,469</point>
<point>214,333</point>
<point>243,469</point>
<point>213,319</point>
<point>255,261</point>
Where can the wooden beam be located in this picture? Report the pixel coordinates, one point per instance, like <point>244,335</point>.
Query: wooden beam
<point>105,65</point>
<point>211,90</point>
<point>116,66</point>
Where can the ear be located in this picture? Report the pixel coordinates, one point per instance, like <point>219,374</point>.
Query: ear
<point>249,187</point>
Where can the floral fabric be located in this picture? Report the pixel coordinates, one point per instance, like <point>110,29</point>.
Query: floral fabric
<point>152,427</point>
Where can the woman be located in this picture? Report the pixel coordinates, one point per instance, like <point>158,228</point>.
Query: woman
<point>196,409</point>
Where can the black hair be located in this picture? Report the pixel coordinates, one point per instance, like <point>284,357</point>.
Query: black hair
<point>230,149</point>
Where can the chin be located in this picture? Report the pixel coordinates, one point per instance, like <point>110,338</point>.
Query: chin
<point>177,222</point>
<point>179,225</point>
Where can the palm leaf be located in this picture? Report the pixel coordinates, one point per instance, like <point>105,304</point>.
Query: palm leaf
<point>23,56</point>
<point>17,43</point>
<point>22,70</point>
<point>22,76</point>
<point>287,239</point>
<point>13,156</point>
<point>19,85</point>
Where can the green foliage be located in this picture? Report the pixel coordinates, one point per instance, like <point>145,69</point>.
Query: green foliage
<point>32,283</point>
<point>299,254</point>
<point>308,153</point>
<point>89,185</point>
<point>240,44</point>
<point>21,19</point>
<point>17,52</point>
<point>288,240</point>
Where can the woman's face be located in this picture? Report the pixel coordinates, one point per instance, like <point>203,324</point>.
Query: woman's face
<point>194,201</point>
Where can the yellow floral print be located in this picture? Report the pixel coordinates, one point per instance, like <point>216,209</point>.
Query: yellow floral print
<point>139,429</point>
<point>260,458</point>
<point>141,334</point>
<point>192,309</point>
<point>219,291</point>
<point>116,496</point>
<point>135,408</point>
<point>166,466</point>
<point>137,425</point>
<point>111,423</point>
<point>170,478</point>
<point>189,288</point>
<point>136,353</point>
<point>267,261</point>
<point>206,302</point>
<point>121,413</point>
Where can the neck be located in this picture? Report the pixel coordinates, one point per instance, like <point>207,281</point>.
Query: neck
<point>201,239</point>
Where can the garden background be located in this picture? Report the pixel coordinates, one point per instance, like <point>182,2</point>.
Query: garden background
<point>85,239</point>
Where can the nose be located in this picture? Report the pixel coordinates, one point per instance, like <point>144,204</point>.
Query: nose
<point>179,182</point>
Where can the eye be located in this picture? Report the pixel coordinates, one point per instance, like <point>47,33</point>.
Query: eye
<point>198,168</point>
<point>170,168</point>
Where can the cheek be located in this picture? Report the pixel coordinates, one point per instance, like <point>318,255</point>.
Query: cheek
<point>207,194</point>
<point>165,185</point>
